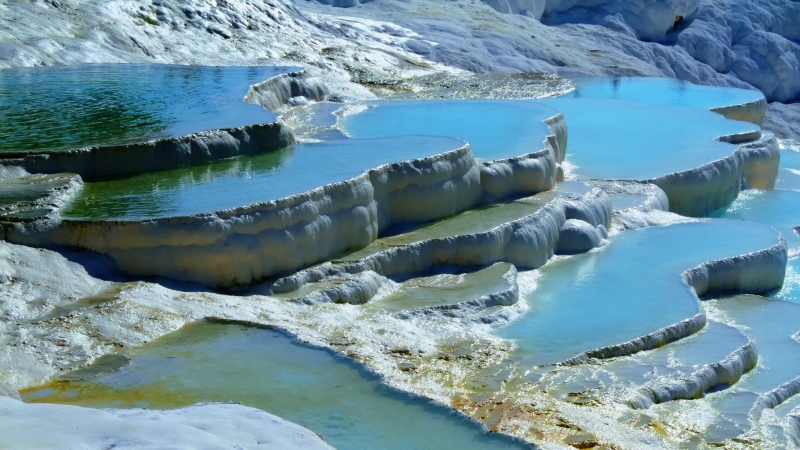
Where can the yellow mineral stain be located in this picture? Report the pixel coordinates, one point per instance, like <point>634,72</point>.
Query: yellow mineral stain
<point>155,395</point>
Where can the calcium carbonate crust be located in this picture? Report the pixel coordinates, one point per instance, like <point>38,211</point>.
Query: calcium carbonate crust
<point>527,243</point>
<point>755,273</point>
<point>160,154</point>
<point>470,308</point>
<point>752,112</point>
<point>52,192</point>
<point>294,88</point>
<point>209,426</point>
<point>694,385</point>
<point>700,191</point>
<point>773,398</point>
<point>239,246</point>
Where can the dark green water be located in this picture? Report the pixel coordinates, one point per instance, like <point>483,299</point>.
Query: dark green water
<point>56,108</point>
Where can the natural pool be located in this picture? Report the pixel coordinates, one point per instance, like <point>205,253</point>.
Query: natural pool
<point>789,174</point>
<point>791,287</point>
<point>712,344</point>
<point>443,290</point>
<point>269,370</point>
<point>778,208</point>
<point>57,108</point>
<point>494,128</point>
<point>771,325</point>
<point>245,180</point>
<point>660,91</point>
<point>628,140</point>
<point>476,220</point>
<point>629,288</point>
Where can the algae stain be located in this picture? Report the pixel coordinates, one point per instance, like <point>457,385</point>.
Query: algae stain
<point>155,395</point>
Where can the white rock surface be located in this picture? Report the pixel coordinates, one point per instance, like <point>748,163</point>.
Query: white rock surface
<point>737,43</point>
<point>202,426</point>
<point>649,20</point>
<point>728,43</point>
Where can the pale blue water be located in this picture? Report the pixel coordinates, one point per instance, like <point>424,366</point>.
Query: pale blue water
<point>789,174</point>
<point>630,288</point>
<point>770,324</point>
<point>779,209</point>
<point>661,91</point>
<point>791,285</point>
<point>52,108</point>
<point>627,201</point>
<point>712,344</point>
<point>494,128</point>
<point>244,180</point>
<point>266,369</point>
<point>627,140</point>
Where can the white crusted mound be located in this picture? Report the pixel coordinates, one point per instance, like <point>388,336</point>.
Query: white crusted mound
<point>203,426</point>
<point>527,243</point>
<point>753,112</point>
<point>292,89</point>
<point>698,192</point>
<point>727,371</point>
<point>27,197</point>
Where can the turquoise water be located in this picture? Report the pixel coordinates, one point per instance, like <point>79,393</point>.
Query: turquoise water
<point>714,343</point>
<point>661,91</point>
<point>791,286</point>
<point>789,174</point>
<point>626,201</point>
<point>770,324</point>
<point>629,288</point>
<point>244,180</point>
<point>494,128</point>
<point>627,140</point>
<point>52,108</point>
<point>266,369</point>
<point>780,209</point>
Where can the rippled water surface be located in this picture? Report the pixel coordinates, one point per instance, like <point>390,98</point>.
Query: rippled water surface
<point>51,108</point>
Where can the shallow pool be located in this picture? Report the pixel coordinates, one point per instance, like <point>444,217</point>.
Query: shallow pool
<point>56,108</point>
<point>789,174</point>
<point>629,288</point>
<point>494,128</point>
<point>771,325</point>
<point>627,140</point>
<point>476,220</point>
<point>268,370</point>
<point>661,91</point>
<point>791,286</point>
<point>244,180</point>
<point>779,209</point>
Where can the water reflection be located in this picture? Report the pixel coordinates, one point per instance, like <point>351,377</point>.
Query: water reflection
<point>51,108</point>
